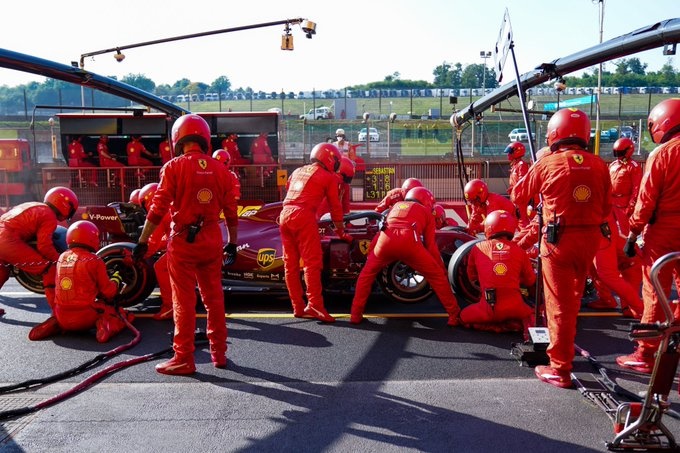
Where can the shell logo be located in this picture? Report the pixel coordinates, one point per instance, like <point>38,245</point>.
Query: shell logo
<point>204,196</point>
<point>500,269</point>
<point>66,283</point>
<point>581,193</point>
<point>402,206</point>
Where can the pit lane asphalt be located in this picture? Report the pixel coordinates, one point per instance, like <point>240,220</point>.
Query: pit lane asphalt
<point>402,382</point>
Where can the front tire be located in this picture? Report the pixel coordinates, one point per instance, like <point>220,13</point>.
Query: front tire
<point>138,276</point>
<point>400,283</point>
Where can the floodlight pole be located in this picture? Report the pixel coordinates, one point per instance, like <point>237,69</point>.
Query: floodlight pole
<point>119,56</point>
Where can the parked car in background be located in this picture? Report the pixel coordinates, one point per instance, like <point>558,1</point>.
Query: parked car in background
<point>628,132</point>
<point>520,135</point>
<point>373,134</point>
<point>319,113</point>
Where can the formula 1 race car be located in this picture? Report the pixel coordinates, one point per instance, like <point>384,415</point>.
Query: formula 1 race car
<point>259,264</point>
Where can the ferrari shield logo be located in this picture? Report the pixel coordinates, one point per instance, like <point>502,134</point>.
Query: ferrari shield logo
<point>364,245</point>
<point>499,246</point>
<point>266,258</point>
<point>202,163</point>
<point>578,158</point>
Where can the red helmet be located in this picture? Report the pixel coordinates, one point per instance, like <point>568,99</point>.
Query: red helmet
<point>63,201</point>
<point>568,127</point>
<point>499,223</point>
<point>476,190</point>
<point>190,128</point>
<point>146,195</point>
<point>327,155</point>
<point>346,169</point>
<point>515,150</point>
<point>421,195</point>
<point>223,156</point>
<point>623,147</point>
<point>134,196</point>
<point>83,233</point>
<point>411,183</point>
<point>439,216</point>
<point>664,120</point>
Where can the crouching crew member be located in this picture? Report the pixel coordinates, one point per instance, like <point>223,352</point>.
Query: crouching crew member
<point>482,201</point>
<point>84,290</point>
<point>409,237</point>
<point>34,221</point>
<point>501,267</point>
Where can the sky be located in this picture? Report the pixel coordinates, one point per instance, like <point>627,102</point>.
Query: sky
<point>356,42</point>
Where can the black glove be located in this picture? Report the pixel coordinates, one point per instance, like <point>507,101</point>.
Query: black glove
<point>629,248</point>
<point>140,250</point>
<point>116,277</point>
<point>229,254</point>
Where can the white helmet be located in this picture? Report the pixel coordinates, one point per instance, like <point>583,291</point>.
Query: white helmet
<point>340,132</point>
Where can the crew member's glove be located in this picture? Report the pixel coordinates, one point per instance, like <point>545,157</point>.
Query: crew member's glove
<point>140,250</point>
<point>229,254</point>
<point>117,278</point>
<point>629,248</point>
<point>345,237</point>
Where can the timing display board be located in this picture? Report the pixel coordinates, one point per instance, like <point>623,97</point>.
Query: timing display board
<point>377,182</point>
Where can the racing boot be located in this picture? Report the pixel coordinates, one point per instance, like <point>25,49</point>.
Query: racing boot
<point>110,323</point>
<point>553,377</point>
<point>636,362</point>
<point>298,309</point>
<point>319,313</point>
<point>356,315</point>
<point>2,312</point>
<point>178,365</point>
<point>165,312</point>
<point>45,329</point>
<point>219,359</point>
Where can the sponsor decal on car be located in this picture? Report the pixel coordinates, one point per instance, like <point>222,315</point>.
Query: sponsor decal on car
<point>266,258</point>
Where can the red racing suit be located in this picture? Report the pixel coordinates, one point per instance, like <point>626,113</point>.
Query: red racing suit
<point>135,149</point>
<point>105,158</point>
<point>306,189</point>
<point>77,157</point>
<point>609,274</point>
<point>20,225</point>
<point>82,286</point>
<point>392,197</point>
<point>165,151</point>
<point>407,223</point>
<point>261,154</point>
<point>502,266</point>
<point>480,210</point>
<point>626,175</point>
<point>518,168</point>
<point>656,216</point>
<point>230,145</point>
<point>343,190</point>
<point>158,241</point>
<point>577,196</point>
<point>194,188</point>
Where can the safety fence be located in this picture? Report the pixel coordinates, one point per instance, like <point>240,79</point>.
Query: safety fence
<point>99,186</point>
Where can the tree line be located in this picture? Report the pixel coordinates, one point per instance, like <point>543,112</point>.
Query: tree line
<point>627,72</point>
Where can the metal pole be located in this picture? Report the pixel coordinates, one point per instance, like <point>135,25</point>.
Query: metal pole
<point>599,88</point>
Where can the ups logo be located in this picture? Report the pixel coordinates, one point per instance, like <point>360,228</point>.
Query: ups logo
<point>266,258</point>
